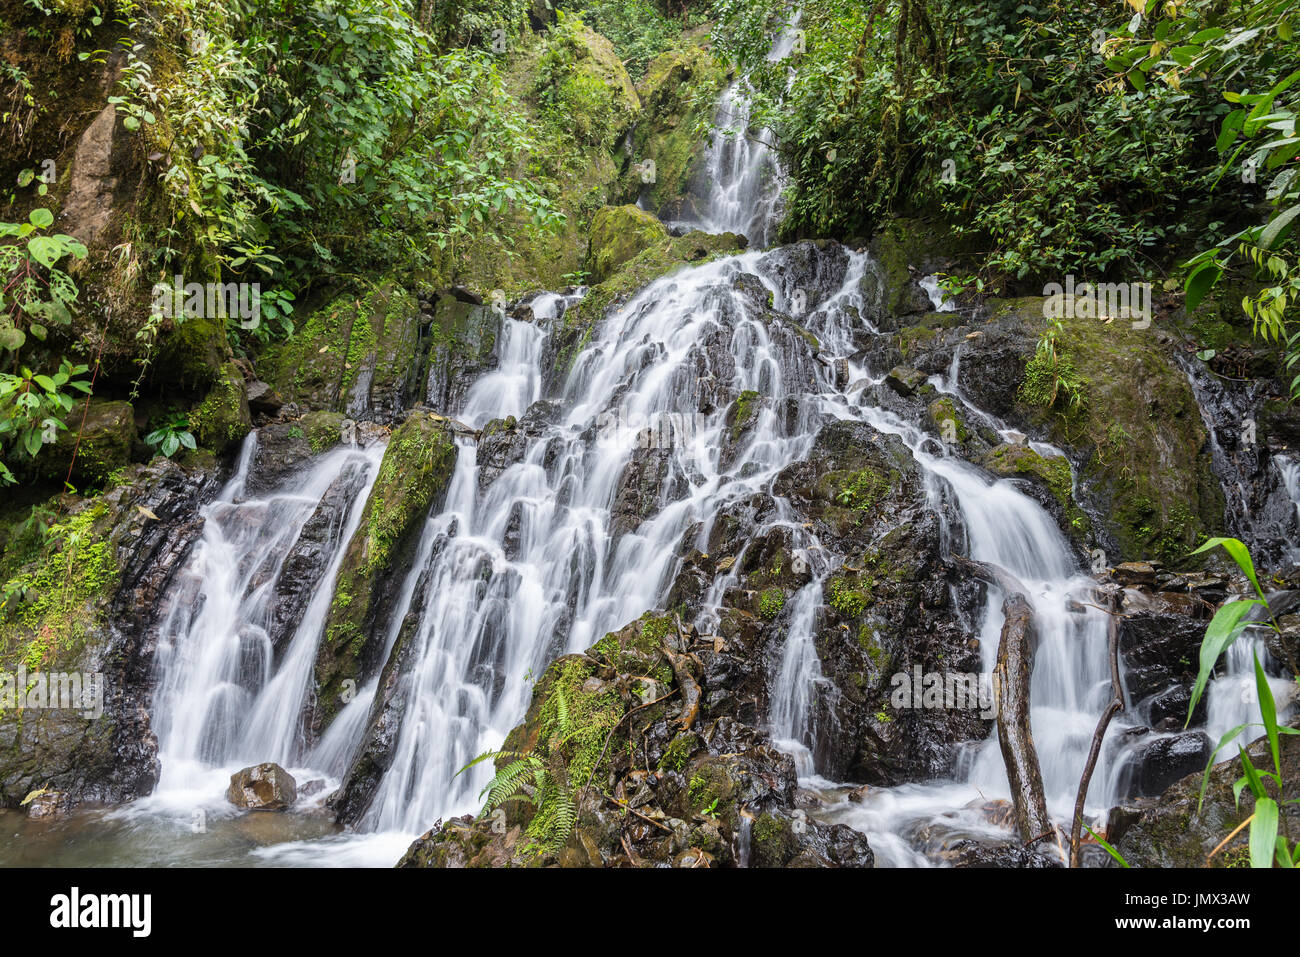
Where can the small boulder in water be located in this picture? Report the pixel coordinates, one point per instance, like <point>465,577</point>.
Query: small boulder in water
<point>263,787</point>
<point>905,381</point>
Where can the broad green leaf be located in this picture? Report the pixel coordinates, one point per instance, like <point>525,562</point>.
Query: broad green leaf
<point>1275,226</point>
<point>1200,281</point>
<point>1263,833</point>
<point>40,218</point>
<point>1268,711</point>
<point>44,250</point>
<point>1224,629</point>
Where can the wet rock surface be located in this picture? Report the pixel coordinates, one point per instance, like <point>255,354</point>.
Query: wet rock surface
<point>103,749</point>
<point>679,785</point>
<point>262,787</point>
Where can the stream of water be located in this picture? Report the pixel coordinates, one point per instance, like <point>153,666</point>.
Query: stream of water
<point>519,567</point>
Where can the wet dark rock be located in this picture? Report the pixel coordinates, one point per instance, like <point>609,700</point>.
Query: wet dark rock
<point>307,561</point>
<point>282,448</point>
<point>1171,832</point>
<point>263,399</point>
<point>1160,762</point>
<point>107,752</point>
<point>1158,651</point>
<point>262,787</point>
<point>904,381</point>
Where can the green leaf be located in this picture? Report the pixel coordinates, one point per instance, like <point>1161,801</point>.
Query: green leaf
<point>1200,281</point>
<point>1275,226</point>
<point>1209,765</point>
<point>1263,832</point>
<point>1268,711</point>
<point>1109,850</point>
<point>40,218</point>
<point>44,250</point>
<point>1224,629</point>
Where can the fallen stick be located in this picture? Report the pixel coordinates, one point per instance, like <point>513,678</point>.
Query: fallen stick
<point>1115,706</point>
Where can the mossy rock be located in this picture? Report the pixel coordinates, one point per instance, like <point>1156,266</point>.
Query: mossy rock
<point>618,234</point>
<point>222,420</point>
<point>323,430</point>
<point>678,96</point>
<point>1011,460</point>
<point>416,468</point>
<point>1136,428</point>
<point>104,445</point>
<point>192,356</point>
<point>583,80</point>
<point>359,354</point>
<point>901,252</point>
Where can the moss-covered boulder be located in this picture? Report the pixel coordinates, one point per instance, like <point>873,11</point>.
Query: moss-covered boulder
<point>1052,472</point>
<point>1135,426</point>
<point>359,355</point>
<point>323,430</point>
<point>581,78</point>
<point>678,95</point>
<point>903,251</point>
<point>413,475</point>
<point>102,444</point>
<point>222,419</point>
<point>637,723</point>
<point>618,234</point>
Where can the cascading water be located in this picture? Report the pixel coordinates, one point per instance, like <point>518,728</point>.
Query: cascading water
<point>743,167</point>
<point>538,558</point>
<point>228,693</point>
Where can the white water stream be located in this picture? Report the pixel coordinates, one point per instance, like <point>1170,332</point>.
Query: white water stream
<point>538,561</point>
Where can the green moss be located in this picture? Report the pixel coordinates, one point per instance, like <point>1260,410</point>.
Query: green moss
<point>374,331</point>
<point>770,603</point>
<point>943,411</point>
<point>861,489</point>
<point>222,419</point>
<point>51,602</point>
<point>774,842</point>
<point>323,430</point>
<point>1052,471</point>
<point>679,751</point>
<point>678,94</point>
<point>1139,431</point>
<point>618,234</point>
<point>415,470</point>
<point>849,596</point>
<point>747,405</point>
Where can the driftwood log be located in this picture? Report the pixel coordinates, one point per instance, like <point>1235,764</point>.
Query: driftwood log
<point>1011,676</point>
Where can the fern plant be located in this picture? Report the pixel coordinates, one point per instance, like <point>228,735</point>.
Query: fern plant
<point>541,779</point>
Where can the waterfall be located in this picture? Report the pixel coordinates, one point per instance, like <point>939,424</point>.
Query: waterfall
<point>543,556</point>
<point>744,171</point>
<point>231,690</point>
